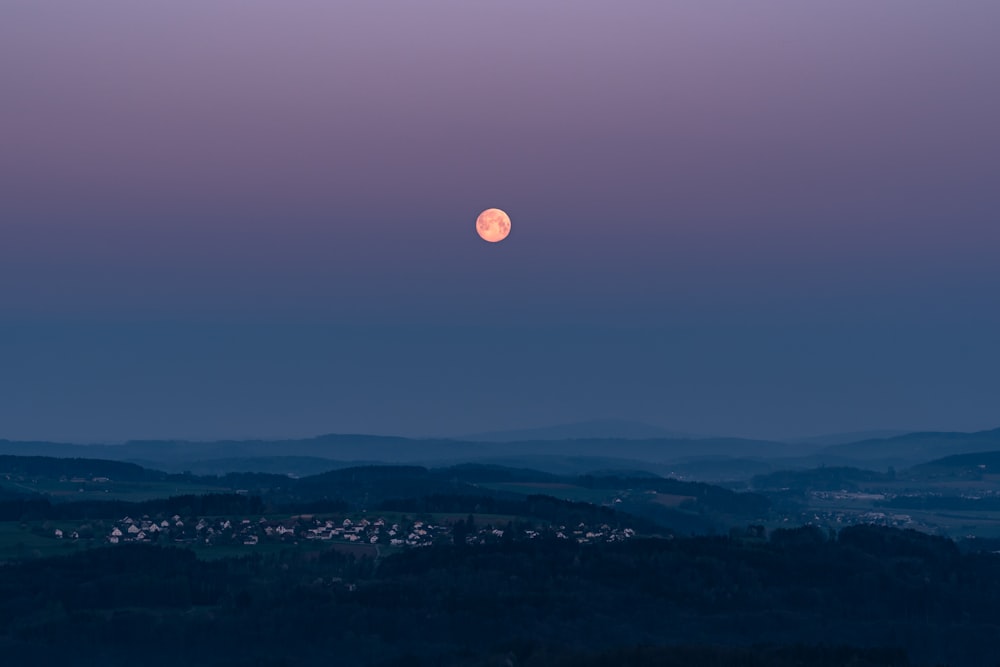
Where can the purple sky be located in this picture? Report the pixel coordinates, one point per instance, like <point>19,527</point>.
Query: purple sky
<point>236,217</point>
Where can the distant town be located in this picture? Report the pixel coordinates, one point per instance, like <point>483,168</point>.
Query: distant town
<point>377,531</point>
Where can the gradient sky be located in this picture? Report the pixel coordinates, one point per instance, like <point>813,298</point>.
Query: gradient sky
<point>243,218</point>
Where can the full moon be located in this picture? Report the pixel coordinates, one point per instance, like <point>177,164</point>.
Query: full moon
<point>493,225</point>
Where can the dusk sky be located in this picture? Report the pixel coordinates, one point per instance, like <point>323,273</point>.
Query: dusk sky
<point>225,218</point>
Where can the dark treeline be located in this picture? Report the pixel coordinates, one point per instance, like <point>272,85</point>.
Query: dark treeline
<point>711,497</point>
<point>897,597</point>
<point>758,656</point>
<point>39,509</point>
<point>54,468</point>
<point>15,494</point>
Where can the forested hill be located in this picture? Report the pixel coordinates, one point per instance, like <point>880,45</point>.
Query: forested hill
<point>670,503</point>
<point>86,469</point>
<point>914,448</point>
<point>987,462</point>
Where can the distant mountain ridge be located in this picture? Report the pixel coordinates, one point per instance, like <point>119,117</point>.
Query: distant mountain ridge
<point>178,454</point>
<point>986,460</point>
<point>831,439</point>
<point>594,428</point>
<point>919,447</point>
<point>696,458</point>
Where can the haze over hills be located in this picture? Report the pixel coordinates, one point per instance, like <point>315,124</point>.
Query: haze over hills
<point>635,430</point>
<point>697,458</point>
<point>594,428</point>
<point>830,439</point>
<point>384,449</point>
<point>913,448</point>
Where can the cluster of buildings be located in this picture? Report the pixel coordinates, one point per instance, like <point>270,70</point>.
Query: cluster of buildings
<point>849,518</point>
<point>583,534</point>
<point>144,530</point>
<point>372,531</point>
<point>414,534</point>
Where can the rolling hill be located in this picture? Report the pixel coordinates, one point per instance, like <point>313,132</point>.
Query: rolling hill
<point>914,448</point>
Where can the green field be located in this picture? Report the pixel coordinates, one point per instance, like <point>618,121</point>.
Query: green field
<point>19,541</point>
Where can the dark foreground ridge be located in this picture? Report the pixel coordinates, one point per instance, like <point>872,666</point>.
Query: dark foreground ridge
<point>897,597</point>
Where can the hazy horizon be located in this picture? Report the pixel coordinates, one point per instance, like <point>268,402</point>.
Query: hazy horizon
<point>470,435</point>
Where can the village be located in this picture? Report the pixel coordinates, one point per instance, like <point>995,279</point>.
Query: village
<point>378,531</point>
<point>848,508</point>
